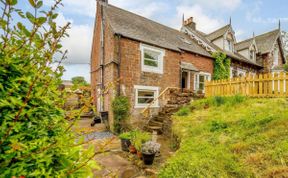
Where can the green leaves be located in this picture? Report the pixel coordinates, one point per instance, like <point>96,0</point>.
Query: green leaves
<point>34,141</point>
<point>36,4</point>
<point>221,66</point>
<point>11,2</point>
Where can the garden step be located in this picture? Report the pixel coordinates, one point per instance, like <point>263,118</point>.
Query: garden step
<point>155,123</point>
<point>155,128</point>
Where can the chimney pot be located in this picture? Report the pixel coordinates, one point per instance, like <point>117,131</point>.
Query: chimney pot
<point>189,23</point>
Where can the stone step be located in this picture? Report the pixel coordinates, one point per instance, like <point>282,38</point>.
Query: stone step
<point>159,118</point>
<point>158,129</point>
<point>155,123</point>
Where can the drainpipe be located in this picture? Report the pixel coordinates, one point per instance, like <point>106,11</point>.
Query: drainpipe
<point>119,64</point>
<point>102,55</point>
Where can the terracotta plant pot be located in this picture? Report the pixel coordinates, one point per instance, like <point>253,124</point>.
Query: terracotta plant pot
<point>132,149</point>
<point>148,159</point>
<point>139,154</point>
<point>125,144</point>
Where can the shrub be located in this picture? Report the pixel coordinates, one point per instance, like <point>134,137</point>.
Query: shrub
<point>139,137</point>
<point>126,135</point>
<point>35,138</point>
<point>121,109</point>
<point>184,111</point>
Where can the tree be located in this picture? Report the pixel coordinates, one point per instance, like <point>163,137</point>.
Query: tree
<point>221,66</point>
<point>79,81</point>
<point>35,138</point>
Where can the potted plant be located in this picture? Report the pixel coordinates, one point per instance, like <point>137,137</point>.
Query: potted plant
<point>125,140</point>
<point>149,149</point>
<point>138,139</point>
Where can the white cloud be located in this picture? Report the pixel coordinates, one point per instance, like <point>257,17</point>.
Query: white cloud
<point>216,4</point>
<point>239,34</point>
<point>79,43</point>
<point>146,8</point>
<point>203,21</point>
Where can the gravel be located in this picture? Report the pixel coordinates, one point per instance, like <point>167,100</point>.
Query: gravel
<point>98,135</point>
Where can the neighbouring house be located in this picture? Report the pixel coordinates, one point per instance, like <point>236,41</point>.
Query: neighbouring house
<point>139,58</point>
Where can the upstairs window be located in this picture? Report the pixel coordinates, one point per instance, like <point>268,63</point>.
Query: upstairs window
<point>230,45</point>
<point>152,59</point>
<point>253,53</point>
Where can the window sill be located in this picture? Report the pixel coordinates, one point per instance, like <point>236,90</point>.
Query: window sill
<point>142,107</point>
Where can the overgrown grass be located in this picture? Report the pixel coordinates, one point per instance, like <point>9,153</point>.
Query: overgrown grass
<point>231,137</point>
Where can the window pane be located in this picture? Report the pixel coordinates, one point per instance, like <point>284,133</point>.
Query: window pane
<point>150,63</point>
<point>201,86</point>
<point>201,78</point>
<point>145,94</point>
<point>151,58</point>
<point>145,100</point>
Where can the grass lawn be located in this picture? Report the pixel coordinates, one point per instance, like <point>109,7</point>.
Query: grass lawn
<point>231,137</point>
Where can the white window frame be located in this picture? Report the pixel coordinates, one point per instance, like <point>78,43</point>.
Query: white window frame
<point>146,68</point>
<point>241,71</point>
<point>147,88</point>
<point>197,80</point>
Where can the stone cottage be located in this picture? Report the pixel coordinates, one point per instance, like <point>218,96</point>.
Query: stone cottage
<point>139,58</point>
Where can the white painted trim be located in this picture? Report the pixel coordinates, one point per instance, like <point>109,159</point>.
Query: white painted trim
<point>188,80</point>
<point>146,68</point>
<point>197,79</point>
<point>148,88</point>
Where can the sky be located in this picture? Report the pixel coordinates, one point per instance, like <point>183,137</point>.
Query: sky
<point>247,16</point>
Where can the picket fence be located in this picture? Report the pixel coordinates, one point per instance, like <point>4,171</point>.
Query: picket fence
<point>260,85</point>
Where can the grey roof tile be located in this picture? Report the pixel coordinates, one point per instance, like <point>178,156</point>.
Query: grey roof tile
<point>218,33</point>
<point>136,27</point>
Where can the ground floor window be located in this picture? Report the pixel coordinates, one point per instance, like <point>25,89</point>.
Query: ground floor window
<point>199,81</point>
<point>236,72</point>
<point>144,95</point>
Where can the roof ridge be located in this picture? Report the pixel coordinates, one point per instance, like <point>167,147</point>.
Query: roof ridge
<point>265,33</point>
<point>144,17</point>
<point>218,29</point>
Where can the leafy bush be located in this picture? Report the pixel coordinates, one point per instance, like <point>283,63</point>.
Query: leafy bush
<point>126,135</point>
<point>35,138</point>
<point>140,137</point>
<point>184,111</point>
<point>121,109</point>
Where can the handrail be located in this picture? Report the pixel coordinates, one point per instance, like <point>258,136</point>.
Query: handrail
<point>150,104</point>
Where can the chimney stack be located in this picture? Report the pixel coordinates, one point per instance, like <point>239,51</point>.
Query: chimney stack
<point>189,23</point>
<point>102,2</point>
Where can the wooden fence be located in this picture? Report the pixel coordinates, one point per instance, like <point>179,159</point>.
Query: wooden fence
<point>261,85</point>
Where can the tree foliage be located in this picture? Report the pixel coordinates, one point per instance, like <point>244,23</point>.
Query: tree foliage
<point>35,138</point>
<point>79,81</point>
<point>221,66</point>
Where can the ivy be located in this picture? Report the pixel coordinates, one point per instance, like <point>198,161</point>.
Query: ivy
<point>221,66</point>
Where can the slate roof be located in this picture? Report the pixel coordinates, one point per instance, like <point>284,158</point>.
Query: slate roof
<point>139,28</point>
<point>189,66</point>
<point>243,44</point>
<point>218,33</point>
<point>235,56</point>
<point>264,41</point>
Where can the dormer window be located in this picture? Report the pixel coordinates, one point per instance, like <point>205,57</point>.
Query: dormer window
<point>253,53</point>
<point>229,43</point>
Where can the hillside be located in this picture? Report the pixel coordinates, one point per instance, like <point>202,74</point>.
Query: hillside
<point>231,137</point>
